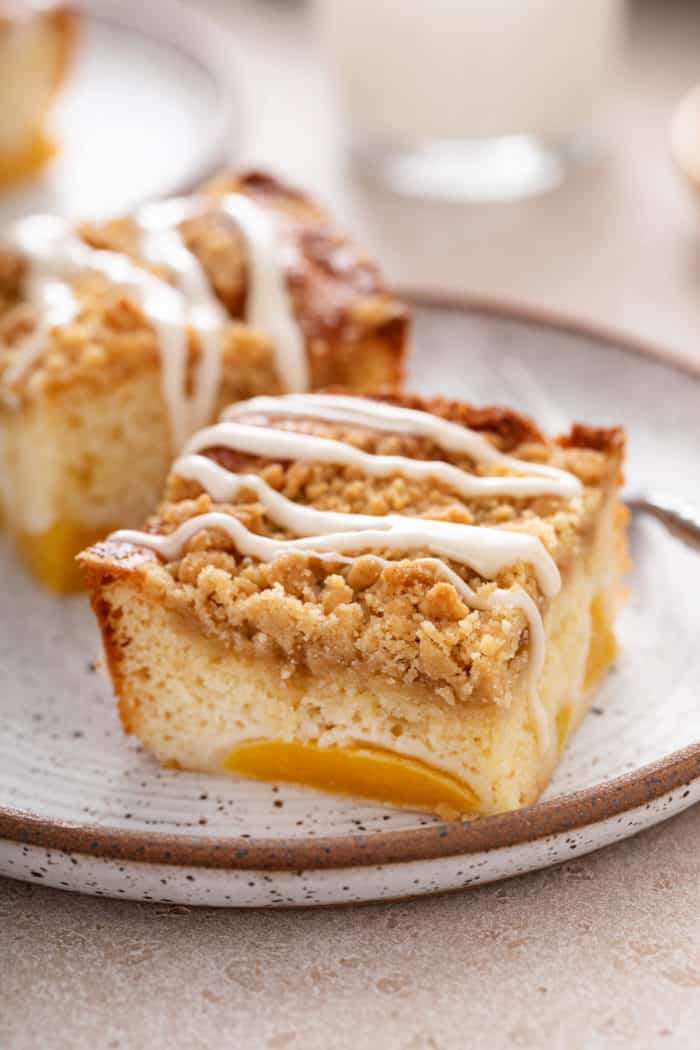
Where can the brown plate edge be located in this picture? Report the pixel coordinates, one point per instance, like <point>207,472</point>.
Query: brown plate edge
<point>539,316</point>
<point>541,820</point>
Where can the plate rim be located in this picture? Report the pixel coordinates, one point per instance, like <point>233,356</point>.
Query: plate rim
<point>216,50</point>
<point>566,812</point>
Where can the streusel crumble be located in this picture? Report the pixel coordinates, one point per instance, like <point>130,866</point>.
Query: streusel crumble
<point>119,339</point>
<point>402,599</point>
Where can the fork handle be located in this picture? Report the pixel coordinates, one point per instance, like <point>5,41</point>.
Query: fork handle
<point>680,517</point>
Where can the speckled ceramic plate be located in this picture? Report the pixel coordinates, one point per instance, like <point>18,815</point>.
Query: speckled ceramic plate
<point>153,105</point>
<point>82,808</point>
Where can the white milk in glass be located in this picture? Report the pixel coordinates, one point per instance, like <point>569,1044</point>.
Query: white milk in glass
<point>506,89</point>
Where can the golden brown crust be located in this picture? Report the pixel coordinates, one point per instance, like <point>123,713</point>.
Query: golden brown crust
<point>508,427</point>
<point>262,185</point>
<point>65,22</point>
<point>352,324</point>
<point>511,428</point>
<point>602,439</point>
<point>508,430</point>
<point>336,289</point>
<point>113,559</point>
<point>12,274</point>
<point>123,560</point>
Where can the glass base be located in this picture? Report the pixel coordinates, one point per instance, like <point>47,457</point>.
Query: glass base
<point>508,168</point>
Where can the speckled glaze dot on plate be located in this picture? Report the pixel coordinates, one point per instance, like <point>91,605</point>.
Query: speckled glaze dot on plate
<point>82,808</point>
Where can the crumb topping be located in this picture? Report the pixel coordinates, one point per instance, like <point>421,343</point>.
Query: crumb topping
<point>401,619</point>
<point>110,339</point>
<point>337,294</point>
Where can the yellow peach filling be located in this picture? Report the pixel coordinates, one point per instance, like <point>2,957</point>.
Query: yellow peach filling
<point>385,776</point>
<point>359,771</point>
<point>20,163</point>
<point>563,724</point>
<point>603,647</point>
<point>50,555</point>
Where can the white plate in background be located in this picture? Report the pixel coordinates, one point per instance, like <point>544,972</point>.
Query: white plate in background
<point>151,107</point>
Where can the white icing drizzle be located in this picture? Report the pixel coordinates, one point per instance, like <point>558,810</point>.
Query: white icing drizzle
<point>286,444</point>
<point>39,238</point>
<point>487,551</point>
<point>57,255</point>
<point>377,415</point>
<point>267,305</point>
<point>341,537</point>
<point>162,245</point>
<point>354,543</point>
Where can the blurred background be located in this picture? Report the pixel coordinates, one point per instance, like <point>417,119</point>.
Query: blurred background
<point>616,241</point>
<point>513,149</point>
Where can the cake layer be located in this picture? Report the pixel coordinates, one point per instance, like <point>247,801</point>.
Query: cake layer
<point>196,704</point>
<point>319,606</point>
<point>36,43</point>
<point>119,339</point>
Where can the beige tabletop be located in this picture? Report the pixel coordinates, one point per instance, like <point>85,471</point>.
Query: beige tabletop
<point>600,952</point>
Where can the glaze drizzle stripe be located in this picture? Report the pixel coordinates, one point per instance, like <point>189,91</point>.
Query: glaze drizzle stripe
<point>267,306</point>
<point>286,444</point>
<point>328,547</point>
<point>342,537</point>
<point>487,551</point>
<point>57,255</point>
<point>379,415</point>
<point>162,245</point>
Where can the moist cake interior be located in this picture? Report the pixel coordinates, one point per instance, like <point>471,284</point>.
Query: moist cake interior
<point>164,317</point>
<point>371,675</point>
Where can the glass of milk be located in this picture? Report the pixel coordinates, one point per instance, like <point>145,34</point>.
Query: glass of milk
<point>471,99</point>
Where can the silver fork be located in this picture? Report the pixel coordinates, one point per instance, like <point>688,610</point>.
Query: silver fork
<point>680,518</point>
<point>520,385</point>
